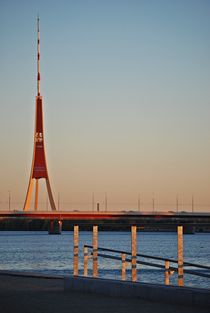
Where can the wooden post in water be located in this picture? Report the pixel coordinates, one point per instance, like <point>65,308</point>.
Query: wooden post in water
<point>76,249</point>
<point>180,256</point>
<point>95,251</point>
<point>167,273</point>
<point>123,266</point>
<point>85,261</point>
<point>133,254</point>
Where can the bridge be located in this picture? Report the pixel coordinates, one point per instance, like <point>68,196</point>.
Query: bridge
<point>192,222</point>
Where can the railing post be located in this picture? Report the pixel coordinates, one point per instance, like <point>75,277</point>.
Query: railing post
<point>123,266</point>
<point>167,273</point>
<point>133,254</point>
<point>85,261</point>
<point>180,255</point>
<point>76,249</point>
<point>95,251</point>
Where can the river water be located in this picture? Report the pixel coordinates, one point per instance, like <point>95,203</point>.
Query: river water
<point>53,254</point>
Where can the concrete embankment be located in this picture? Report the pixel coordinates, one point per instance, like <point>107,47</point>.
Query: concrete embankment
<point>152,292</point>
<point>31,293</point>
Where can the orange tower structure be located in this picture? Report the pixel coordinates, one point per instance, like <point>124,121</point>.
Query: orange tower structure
<point>39,164</point>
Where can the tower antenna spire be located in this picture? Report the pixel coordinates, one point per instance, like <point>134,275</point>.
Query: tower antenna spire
<point>38,57</point>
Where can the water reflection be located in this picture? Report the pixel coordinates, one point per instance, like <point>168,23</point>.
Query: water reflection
<point>39,252</point>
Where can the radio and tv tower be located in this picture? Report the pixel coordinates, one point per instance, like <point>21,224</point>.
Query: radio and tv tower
<point>39,163</point>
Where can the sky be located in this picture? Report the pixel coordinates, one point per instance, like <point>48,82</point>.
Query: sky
<point>126,95</point>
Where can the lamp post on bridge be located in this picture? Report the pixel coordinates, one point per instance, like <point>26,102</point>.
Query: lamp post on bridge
<point>9,200</point>
<point>105,202</point>
<point>192,204</point>
<point>153,204</point>
<point>93,202</point>
<point>139,203</point>
<point>177,204</point>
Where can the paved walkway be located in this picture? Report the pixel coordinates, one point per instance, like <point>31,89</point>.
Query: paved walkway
<point>41,295</point>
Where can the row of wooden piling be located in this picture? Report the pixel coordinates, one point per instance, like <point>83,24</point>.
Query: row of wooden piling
<point>94,256</point>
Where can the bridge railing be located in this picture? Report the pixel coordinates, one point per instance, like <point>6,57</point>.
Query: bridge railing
<point>124,258</point>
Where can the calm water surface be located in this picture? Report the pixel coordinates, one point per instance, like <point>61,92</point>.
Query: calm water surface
<point>40,252</point>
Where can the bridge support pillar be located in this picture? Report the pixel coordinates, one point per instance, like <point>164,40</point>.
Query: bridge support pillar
<point>55,227</point>
<point>189,229</point>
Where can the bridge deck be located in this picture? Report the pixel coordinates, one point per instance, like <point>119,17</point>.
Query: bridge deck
<point>114,216</point>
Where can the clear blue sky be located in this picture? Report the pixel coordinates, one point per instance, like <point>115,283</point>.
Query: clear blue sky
<point>126,98</point>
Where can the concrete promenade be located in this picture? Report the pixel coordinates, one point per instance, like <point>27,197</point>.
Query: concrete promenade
<point>46,295</point>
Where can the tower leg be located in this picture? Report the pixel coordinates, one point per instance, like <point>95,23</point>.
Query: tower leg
<point>36,195</point>
<point>52,203</point>
<point>28,195</point>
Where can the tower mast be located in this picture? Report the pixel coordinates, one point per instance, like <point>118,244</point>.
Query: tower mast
<point>39,163</point>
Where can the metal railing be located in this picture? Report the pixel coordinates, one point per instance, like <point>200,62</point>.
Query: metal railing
<point>133,258</point>
<point>169,270</point>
